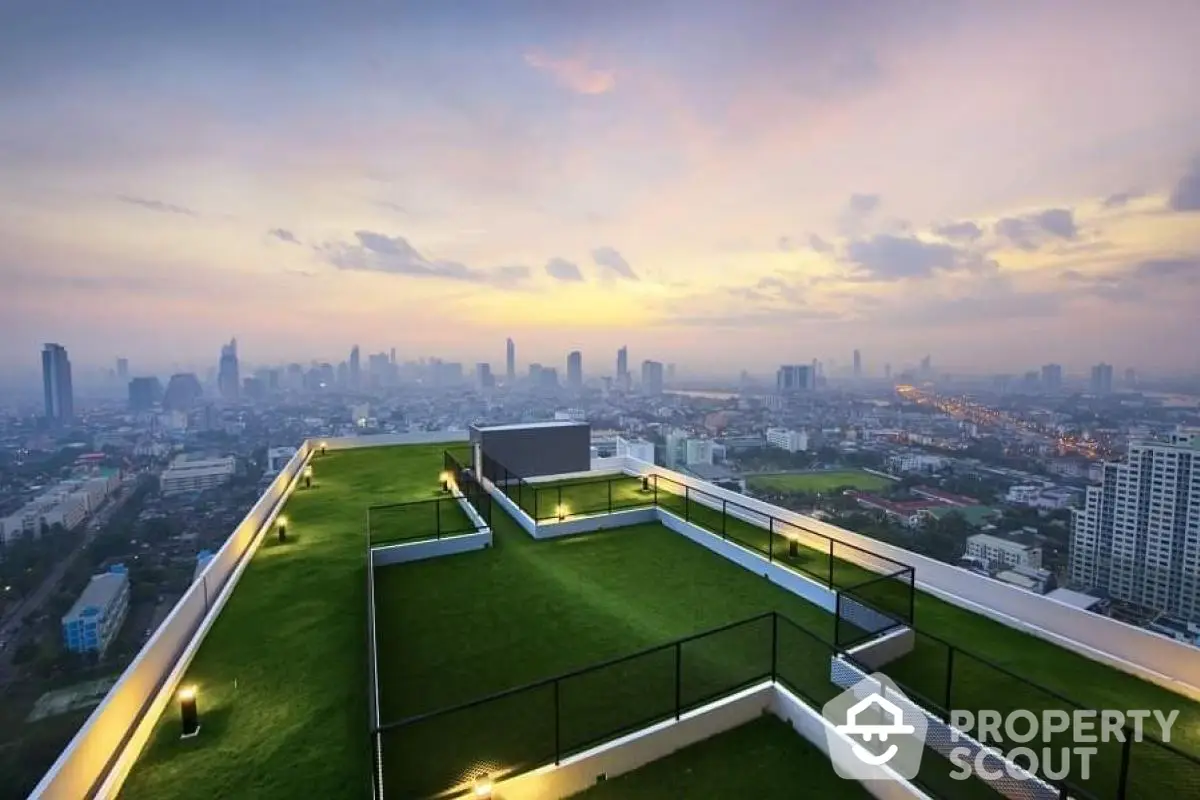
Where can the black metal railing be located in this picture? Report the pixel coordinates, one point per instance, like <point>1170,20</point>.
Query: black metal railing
<point>468,485</point>
<point>511,484</point>
<point>420,520</point>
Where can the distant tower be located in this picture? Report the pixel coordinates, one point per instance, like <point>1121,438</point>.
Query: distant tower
<point>857,364</point>
<point>355,367</point>
<point>510,361</point>
<point>393,356</point>
<point>56,384</point>
<point>123,368</point>
<point>575,369</point>
<point>228,382</point>
<point>887,372</point>
<point>622,364</point>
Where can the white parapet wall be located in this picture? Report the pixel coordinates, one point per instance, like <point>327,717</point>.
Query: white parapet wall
<point>1139,652</point>
<point>628,753</point>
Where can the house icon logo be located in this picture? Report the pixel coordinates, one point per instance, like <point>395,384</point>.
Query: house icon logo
<point>875,732</point>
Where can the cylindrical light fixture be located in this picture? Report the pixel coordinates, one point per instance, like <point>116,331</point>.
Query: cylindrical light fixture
<point>281,528</point>
<point>793,548</point>
<point>645,483</point>
<point>482,786</point>
<point>188,714</point>
<point>444,477</point>
<point>308,473</point>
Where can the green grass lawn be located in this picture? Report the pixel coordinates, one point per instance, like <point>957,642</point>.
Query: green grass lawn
<point>282,674</point>
<point>552,607</point>
<point>542,501</point>
<point>764,759</point>
<point>812,482</point>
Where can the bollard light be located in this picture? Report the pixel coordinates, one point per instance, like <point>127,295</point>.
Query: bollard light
<point>281,528</point>
<point>188,715</point>
<point>793,548</point>
<point>444,477</point>
<point>323,446</point>
<point>561,511</point>
<point>483,786</point>
<point>308,473</point>
<point>645,483</point>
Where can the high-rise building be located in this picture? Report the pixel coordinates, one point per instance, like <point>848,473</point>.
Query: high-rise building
<point>1130,378</point>
<point>144,393</point>
<point>123,369</point>
<point>1052,377</point>
<point>1138,535</point>
<point>1102,379</point>
<point>56,383</point>
<point>483,376</point>
<point>355,368</point>
<point>652,377</point>
<point>926,367</point>
<point>228,382</point>
<point>857,364</point>
<point>670,374</point>
<point>887,372</point>
<point>510,360</point>
<point>183,392</point>
<point>794,378</point>
<point>575,369</point>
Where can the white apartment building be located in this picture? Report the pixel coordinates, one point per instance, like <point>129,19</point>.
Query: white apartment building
<point>636,448</point>
<point>194,475</point>
<point>1138,533</point>
<point>66,504</point>
<point>1023,495</point>
<point>998,550</point>
<point>916,462</point>
<point>785,439</point>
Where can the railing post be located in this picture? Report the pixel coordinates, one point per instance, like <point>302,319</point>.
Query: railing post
<point>774,645</point>
<point>949,676</point>
<point>557,732</point>
<point>558,510</point>
<point>656,488</point>
<point>724,514</point>
<point>837,621</point>
<point>610,495</point>
<point>831,563</point>
<point>770,540</point>
<point>1123,781</point>
<point>678,679</point>
<point>437,515</point>
<point>687,516</point>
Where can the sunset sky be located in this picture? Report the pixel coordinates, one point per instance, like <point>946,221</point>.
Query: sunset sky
<point>718,184</point>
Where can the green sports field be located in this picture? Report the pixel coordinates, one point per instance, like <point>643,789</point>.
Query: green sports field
<point>813,482</point>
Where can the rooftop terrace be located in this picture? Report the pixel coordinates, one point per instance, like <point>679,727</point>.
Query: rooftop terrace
<point>282,673</point>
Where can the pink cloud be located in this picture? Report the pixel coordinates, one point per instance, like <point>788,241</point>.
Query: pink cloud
<point>573,73</point>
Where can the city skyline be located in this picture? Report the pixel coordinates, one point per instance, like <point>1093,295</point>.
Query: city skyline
<point>711,183</point>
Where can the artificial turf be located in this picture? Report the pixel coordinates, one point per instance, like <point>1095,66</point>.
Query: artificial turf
<point>824,481</point>
<point>764,759</point>
<point>282,673</point>
<point>548,501</point>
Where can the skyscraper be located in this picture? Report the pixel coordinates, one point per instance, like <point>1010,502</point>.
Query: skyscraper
<point>1102,378</point>
<point>652,377</point>
<point>123,368</point>
<point>1138,535</point>
<point>623,367</point>
<point>355,368</point>
<point>575,369</point>
<point>228,382</point>
<point>144,393</point>
<point>794,378</point>
<point>1052,377</point>
<point>857,364</point>
<point>510,361</point>
<point>483,376</point>
<point>56,384</point>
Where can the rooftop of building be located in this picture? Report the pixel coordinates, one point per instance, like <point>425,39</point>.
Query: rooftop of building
<point>282,674</point>
<point>100,591</point>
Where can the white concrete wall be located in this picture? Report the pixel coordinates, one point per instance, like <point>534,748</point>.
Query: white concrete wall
<point>628,753</point>
<point>883,650</point>
<point>509,507</point>
<point>430,548</point>
<point>593,474</point>
<point>104,749</point>
<point>1139,652</point>
<point>596,522</point>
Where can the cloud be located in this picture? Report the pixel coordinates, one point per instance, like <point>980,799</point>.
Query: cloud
<point>573,73</point>
<point>614,263</point>
<point>562,270</point>
<point>1030,231</point>
<point>1186,194</point>
<point>393,255</point>
<point>885,257</point>
<point>863,204</point>
<point>959,231</point>
<point>786,244</point>
<point>284,235</point>
<point>819,245</point>
<point>1185,269</point>
<point>766,317</point>
<point>1120,199</point>
<point>157,205</point>
<point>1133,282</point>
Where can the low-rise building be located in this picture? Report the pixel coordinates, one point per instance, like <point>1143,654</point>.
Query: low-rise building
<point>96,618</point>
<point>785,439</point>
<point>193,475</point>
<point>998,550</point>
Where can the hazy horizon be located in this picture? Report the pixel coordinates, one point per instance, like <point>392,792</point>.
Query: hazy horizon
<point>720,186</point>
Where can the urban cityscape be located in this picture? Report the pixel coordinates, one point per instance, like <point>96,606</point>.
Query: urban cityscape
<point>928,277</point>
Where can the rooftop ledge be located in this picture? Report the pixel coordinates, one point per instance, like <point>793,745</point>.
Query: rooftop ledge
<point>280,677</point>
